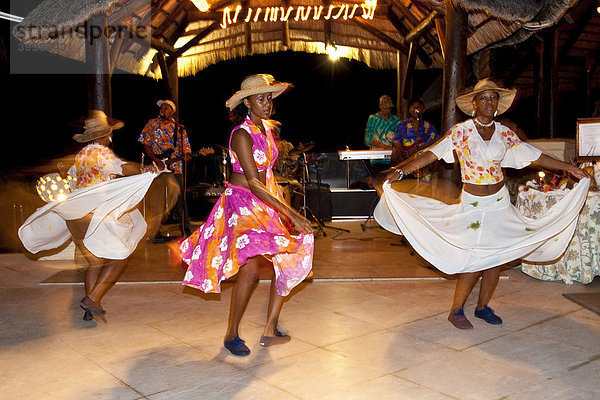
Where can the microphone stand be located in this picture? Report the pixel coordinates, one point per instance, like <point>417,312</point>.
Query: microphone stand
<point>179,137</point>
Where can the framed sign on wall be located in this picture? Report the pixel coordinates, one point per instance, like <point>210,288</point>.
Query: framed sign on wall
<point>588,139</point>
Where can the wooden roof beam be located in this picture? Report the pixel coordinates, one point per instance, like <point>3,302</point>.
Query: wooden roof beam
<point>115,51</point>
<point>422,28</point>
<point>154,42</point>
<point>414,21</point>
<point>221,4</point>
<point>285,28</point>
<point>171,19</point>
<point>580,25</point>
<point>440,28</point>
<point>128,10</point>
<point>193,41</point>
<point>403,30</point>
<point>380,35</point>
<point>327,25</point>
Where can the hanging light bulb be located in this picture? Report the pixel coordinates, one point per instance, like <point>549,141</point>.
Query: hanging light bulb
<point>332,52</point>
<point>201,5</point>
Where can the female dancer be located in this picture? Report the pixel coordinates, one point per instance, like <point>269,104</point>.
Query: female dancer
<point>251,220</point>
<point>484,231</point>
<point>99,214</point>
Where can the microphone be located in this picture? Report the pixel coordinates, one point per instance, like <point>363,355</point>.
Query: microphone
<point>418,113</point>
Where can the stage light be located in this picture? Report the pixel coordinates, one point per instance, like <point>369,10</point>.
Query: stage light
<point>332,52</point>
<point>201,5</point>
<point>52,187</point>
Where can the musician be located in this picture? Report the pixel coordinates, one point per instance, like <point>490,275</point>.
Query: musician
<point>166,143</point>
<point>412,135</point>
<point>380,131</point>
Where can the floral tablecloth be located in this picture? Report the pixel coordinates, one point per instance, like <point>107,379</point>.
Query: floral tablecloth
<point>581,261</point>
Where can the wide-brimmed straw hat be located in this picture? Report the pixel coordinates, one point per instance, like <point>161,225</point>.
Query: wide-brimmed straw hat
<point>256,84</point>
<point>386,101</point>
<point>169,102</point>
<point>506,96</point>
<point>97,125</point>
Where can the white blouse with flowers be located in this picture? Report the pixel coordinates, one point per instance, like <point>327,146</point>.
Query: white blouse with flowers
<point>481,162</point>
<point>95,163</point>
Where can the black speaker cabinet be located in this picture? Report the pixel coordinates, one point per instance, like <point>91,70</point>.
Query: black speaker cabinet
<point>352,203</point>
<point>318,199</point>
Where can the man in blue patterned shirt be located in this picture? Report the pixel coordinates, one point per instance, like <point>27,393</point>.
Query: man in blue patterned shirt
<point>413,135</point>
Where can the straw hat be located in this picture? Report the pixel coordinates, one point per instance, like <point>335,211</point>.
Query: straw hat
<point>168,102</point>
<point>97,125</point>
<point>386,101</point>
<point>465,101</point>
<point>256,84</point>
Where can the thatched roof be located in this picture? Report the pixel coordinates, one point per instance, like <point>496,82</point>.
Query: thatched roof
<point>375,42</point>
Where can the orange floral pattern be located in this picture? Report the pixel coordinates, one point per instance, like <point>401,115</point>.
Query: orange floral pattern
<point>95,163</point>
<point>480,161</point>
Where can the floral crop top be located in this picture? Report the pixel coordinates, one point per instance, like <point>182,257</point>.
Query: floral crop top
<point>481,162</point>
<point>95,163</point>
<point>264,149</point>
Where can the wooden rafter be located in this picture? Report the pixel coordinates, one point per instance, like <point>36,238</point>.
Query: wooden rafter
<point>586,16</point>
<point>171,19</point>
<point>414,21</point>
<point>115,51</point>
<point>194,41</point>
<point>285,29</point>
<point>422,28</point>
<point>127,11</point>
<point>440,28</point>
<point>380,35</point>
<point>403,30</point>
<point>221,4</point>
<point>327,25</point>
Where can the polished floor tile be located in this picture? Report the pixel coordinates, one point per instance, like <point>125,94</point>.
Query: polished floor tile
<point>354,335</point>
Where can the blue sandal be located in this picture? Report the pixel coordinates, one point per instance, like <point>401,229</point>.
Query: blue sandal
<point>237,347</point>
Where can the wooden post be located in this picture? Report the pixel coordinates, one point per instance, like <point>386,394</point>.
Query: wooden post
<point>173,78</point>
<point>401,103</point>
<point>455,67</point>
<point>551,78</point>
<point>98,59</point>
<point>538,89</point>
<point>409,72</point>
<point>455,70</point>
<point>588,87</point>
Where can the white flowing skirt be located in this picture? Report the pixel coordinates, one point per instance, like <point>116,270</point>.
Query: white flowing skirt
<point>480,232</point>
<point>116,226</point>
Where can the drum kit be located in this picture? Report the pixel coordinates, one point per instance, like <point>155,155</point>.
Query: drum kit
<point>295,165</point>
<point>291,173</point>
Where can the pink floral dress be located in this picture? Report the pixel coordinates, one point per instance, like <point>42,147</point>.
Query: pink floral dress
<point>241,226</point>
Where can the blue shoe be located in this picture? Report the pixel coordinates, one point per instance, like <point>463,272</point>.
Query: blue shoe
<point>487,314</point>
<point>237,347</point>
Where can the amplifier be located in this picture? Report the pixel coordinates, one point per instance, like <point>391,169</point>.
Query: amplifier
<point>352,203</point>
<point>318,199</point>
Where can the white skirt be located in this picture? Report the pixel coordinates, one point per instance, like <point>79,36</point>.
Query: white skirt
<point>480,232</point>
<point>116,226</point>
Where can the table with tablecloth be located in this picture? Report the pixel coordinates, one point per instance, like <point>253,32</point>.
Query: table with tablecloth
<point>581,260</point>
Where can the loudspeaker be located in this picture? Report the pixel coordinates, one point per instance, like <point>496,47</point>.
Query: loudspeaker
<point>352,202</point>
<point>318,199</point>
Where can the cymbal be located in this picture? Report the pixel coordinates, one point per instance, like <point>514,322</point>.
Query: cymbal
<point>302,148</point>
<point>222,147</point>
